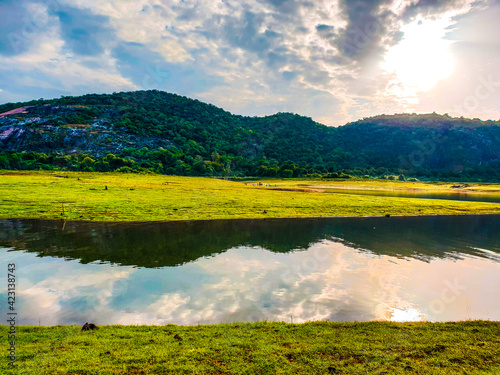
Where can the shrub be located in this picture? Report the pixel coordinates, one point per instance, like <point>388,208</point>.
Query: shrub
<point>125,170</point>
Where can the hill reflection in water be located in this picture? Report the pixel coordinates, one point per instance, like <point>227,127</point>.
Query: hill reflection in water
<point>155,245</point>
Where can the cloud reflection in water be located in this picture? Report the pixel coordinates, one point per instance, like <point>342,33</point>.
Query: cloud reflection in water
<point>327,281</point>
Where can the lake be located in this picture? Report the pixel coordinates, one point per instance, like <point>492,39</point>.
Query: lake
<point>437,268</point>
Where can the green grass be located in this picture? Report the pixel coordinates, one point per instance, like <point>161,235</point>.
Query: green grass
<point>134,197</point>
<point>260,348</point>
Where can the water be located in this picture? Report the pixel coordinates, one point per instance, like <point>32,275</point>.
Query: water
<point>345,269</point>
<point>454,196</point>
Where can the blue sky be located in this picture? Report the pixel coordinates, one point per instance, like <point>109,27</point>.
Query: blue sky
<point>336,61</point>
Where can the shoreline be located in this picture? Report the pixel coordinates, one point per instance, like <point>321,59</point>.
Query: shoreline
<point>252,219</point>
<point>271,322</point>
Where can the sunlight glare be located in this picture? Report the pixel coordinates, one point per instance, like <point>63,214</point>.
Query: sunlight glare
<point>421,59</point>
<point>409,315</point>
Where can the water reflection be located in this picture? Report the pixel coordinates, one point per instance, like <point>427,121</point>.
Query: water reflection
<point>171,244</point>
<point>437,268</point>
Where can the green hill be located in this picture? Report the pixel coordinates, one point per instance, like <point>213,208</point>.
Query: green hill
<point>171,134</point>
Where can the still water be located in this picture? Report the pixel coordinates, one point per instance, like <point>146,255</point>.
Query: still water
<point>345,269</point>
<point>454,196</point>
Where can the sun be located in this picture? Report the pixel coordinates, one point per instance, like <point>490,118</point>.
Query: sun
<point>421,59</point>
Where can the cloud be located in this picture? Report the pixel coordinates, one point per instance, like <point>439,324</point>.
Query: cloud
<point>11,12</point>
<point>288,7</point>
<point>432,8</point>
<point>243,33</point>
<point>148,69</point>
<point>250,32</point>
<point>44,72</point>
<point>367,27</point>
<point>324,28</point>
<point>83,32</point>
<point>21,24</point>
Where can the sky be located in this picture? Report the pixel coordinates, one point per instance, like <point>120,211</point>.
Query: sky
<point>333,60</point>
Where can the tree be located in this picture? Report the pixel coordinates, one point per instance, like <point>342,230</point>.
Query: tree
<point>88,162</point>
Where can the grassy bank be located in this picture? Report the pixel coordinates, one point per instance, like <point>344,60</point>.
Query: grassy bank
<point>134,197</point>
<point>261,348</point>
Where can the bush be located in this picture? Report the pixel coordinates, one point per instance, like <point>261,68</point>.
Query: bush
<point>331,175</point>
<point>88,161</point>
<point>125,170</point>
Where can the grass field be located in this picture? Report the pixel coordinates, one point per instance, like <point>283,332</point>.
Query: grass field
<point>135,197</point>
<point>260,348</point>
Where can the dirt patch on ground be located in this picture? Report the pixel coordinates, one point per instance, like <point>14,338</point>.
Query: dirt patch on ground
<point>300,190</point>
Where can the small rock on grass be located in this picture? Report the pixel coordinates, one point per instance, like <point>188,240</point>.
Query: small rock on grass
<point>89,327</point>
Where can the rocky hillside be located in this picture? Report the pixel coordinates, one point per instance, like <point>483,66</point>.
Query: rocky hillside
<point>50,128</point>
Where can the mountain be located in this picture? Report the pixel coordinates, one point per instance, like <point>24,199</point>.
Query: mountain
<point>171,134</point>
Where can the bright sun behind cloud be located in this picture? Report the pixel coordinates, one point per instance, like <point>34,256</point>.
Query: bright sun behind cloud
<point>420,60</point>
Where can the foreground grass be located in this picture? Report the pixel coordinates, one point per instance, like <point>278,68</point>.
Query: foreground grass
<point>133,197</point>
<point>260,348</point>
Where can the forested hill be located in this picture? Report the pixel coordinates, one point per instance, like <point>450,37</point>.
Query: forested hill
<point>167,133</point>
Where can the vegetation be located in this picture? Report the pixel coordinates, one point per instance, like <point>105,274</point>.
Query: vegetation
<point>143,197</point>
<point>470,347</point>
<point>170,134</point>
